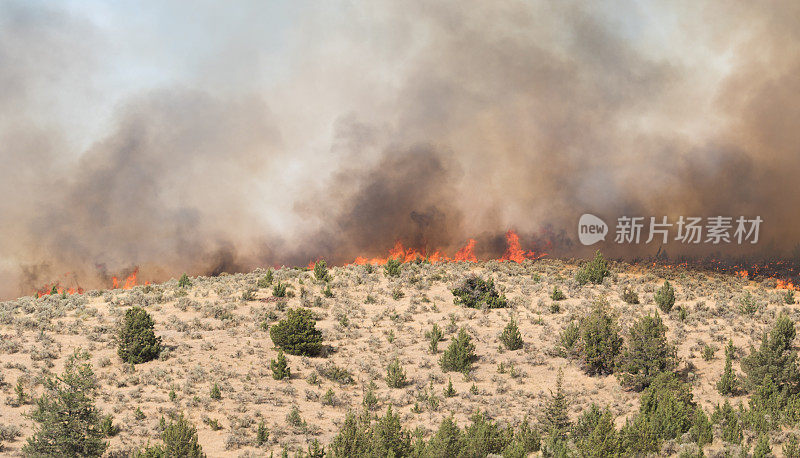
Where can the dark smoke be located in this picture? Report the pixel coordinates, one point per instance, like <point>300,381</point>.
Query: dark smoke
<point>428,123</point>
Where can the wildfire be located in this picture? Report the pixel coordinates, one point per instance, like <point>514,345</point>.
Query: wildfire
<point>466,253</point>
<point>55,288</point>
<point>130,280</point>
<point>786,284</point>
<point>742,274</point>
<point>514,252</point>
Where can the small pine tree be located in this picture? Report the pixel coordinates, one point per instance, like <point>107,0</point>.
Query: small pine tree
<point>68,423</point>
<point>389,438</point>
<point>728,385</point>
<point>315,450</point>
<point>600,342</point>
<point>370,401</point>
<point>762,449</point>
<point>280,368</point>
<point>180,439</point>
<point>297,333</point>
<point>137,340</point>
<point>791,448</point>
<point>665,297</point>
<point>434,336</point>
<point>667,409</point>
<point>262,434</point>
<point>395,376</point>
<point>19,391</point>
<point>449,392</point>
<point>595,435</point>
<point>107,426</point>
<point>459,354</point>
<point>569,339</point>
<point>353,438</point>
<point>557,294</point>
<point>594,271</point>
<point>483,437</point>
<point>446,442</point>
<point>776,360</point>
<point>266,280</point>
<point>184,281</point>
<point>788,298</point>
<point>700,430</point>
<point>392,268</point>
<point>726,417</point>
<point>555,418</point>
<point>511,337</point>
<point>321,271</point>
<point>648,353</point>
<point>215,392</point>
<point>279,290</point>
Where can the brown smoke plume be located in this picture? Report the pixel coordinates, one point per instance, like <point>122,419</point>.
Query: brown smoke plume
<point>425,122</point>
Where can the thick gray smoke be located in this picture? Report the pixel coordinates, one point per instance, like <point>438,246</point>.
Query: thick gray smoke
<point>224,139</point>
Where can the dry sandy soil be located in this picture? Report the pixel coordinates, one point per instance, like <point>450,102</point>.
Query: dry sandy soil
<point>212,335</point>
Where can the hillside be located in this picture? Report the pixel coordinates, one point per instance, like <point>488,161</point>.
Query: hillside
<point>215,332</point>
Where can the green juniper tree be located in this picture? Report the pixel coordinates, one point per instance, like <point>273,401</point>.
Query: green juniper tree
<point>297,333</point>
<point>600,342</point>
<point>727,384</point>
<point>184,281</point>
<point>392,268</point>
<point>459,354</point>
<point>511,337</point>
<point>555,418</point>
<point>594,271</point>
<point>137,340</point>
<point>180,440</point>
<point>67,422</point>
<point>775,361</point>
<point>395,375</point>
<point>665,297</point>
<point>280,368</point>
<point>321,271</point>
<point>647,354</point>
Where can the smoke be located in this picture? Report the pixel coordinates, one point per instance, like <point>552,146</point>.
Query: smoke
<point>224,139</point>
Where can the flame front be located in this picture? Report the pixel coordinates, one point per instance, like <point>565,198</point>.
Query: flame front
<point>130,280</point>
<point>514,252</point>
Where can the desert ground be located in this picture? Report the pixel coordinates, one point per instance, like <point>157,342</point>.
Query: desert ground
<point>212,334</point>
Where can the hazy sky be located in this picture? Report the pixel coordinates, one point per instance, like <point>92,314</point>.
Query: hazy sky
<point>203,135</point>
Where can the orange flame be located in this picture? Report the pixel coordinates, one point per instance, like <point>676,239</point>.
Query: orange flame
<point>130,280</point>
<point>466,254</point>
<point>514,252</point>
<point>57,289</point>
